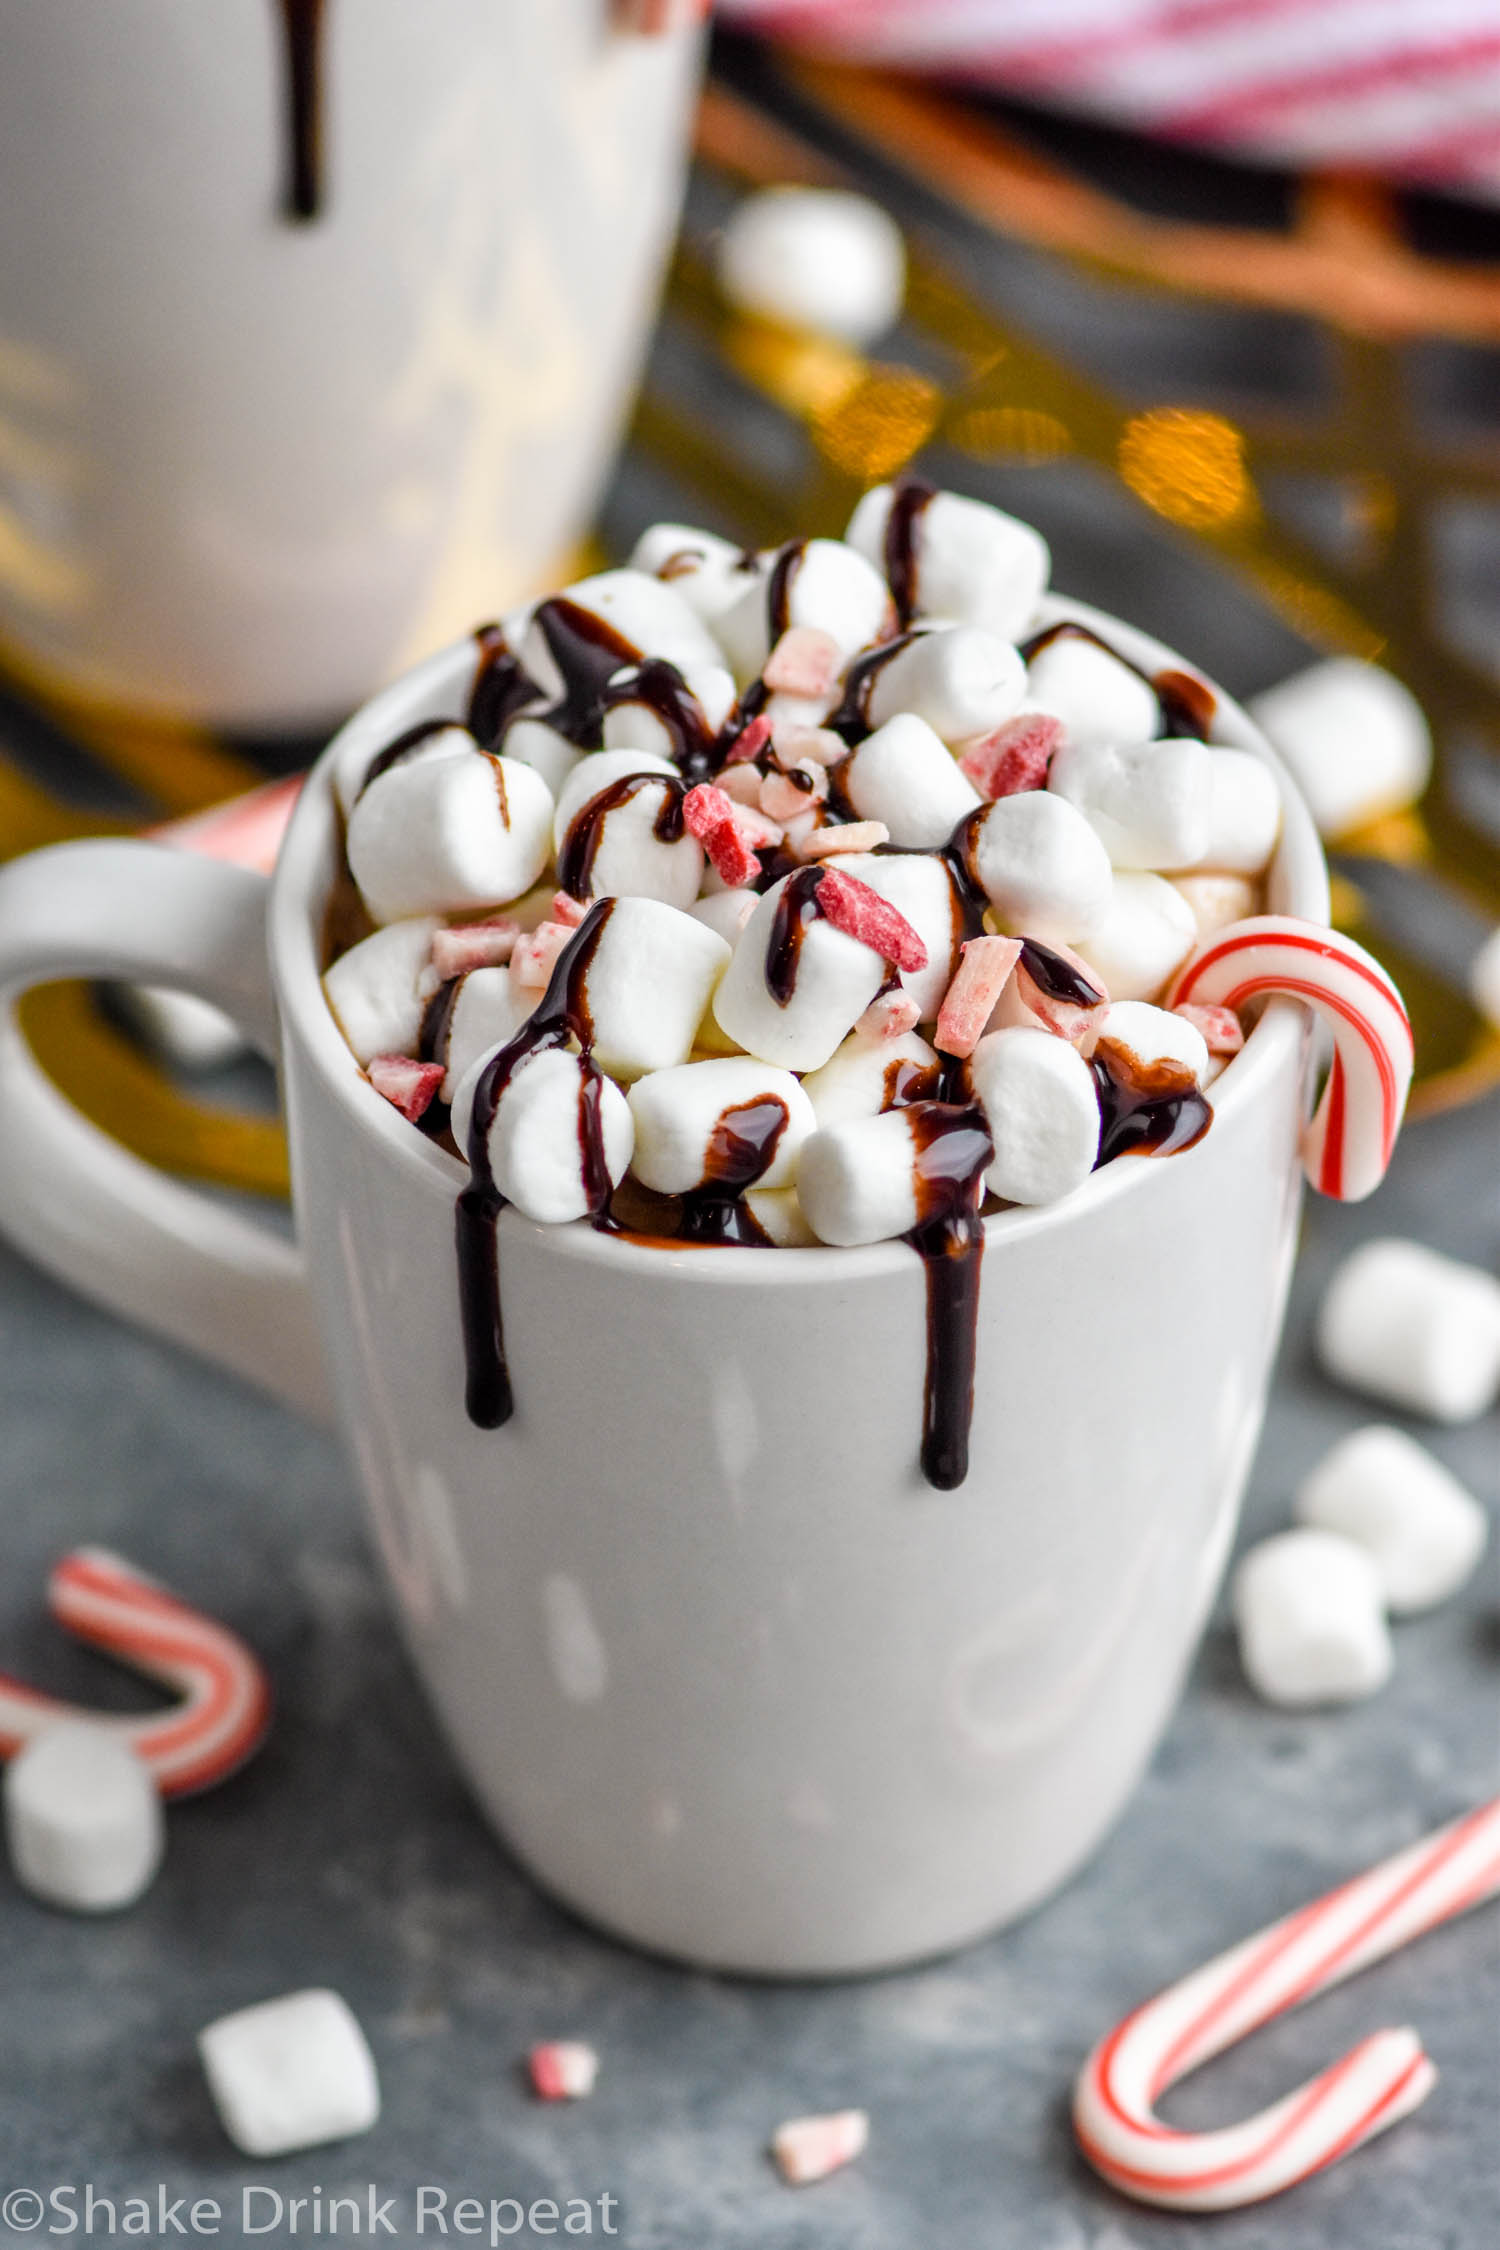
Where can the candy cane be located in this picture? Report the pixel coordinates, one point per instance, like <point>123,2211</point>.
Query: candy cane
<point>1348,1144</point>
<point>224,1699</point>
<point>1377,2082</point>
<point>246,831</point>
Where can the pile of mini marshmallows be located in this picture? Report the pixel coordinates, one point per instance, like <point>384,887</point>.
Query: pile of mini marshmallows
<point>1384,1529</point>
<point>1082,829</point>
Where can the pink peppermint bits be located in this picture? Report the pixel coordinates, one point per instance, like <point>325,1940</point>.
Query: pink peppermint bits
<point>1222,1030</point>
<point>472,945</point>
<point>843,836</point>
<point>408,1086</point>
<point>750,741</point>
<point>716,820</point>
<point>566,909</point>
<point>809,2148</point>
<point>888,1016</point>
<point>805,661</point>
<point>535,954</point>
<point>1015,757</point>
<point>851,906</point>
<point>562,2070</point>
<point>984,969</point>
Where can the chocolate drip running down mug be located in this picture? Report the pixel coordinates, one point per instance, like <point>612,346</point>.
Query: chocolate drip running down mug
<point>728,1676</point>
<point>317,327</point>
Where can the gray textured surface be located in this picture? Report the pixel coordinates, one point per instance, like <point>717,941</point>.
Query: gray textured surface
<point>349,1854</point>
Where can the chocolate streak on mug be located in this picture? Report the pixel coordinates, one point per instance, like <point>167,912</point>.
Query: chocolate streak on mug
<point>502,687</point>
<point>302,49</point>
<point>562,1015</point>
<point>909,503</point>
<point>665,693</point>
<point>1187,704</point>
<point>1145,1111</point>
<point>951,1152</point>
<point>741,1149</point>
<point>575,862</point>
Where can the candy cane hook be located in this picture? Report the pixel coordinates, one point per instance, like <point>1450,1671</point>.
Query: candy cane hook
<point>1348,1144</point>
<point>1381,2080</point>
<point>224,1699</point>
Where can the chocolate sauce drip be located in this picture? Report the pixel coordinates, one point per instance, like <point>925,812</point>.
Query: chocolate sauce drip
<point>909,502</point>
<point>562,1015</point>
<point>437,1023</point>
<point>741,1149</point>
<point>1058,978</point>
<point>1186,704</point>
<point>587,652</point>
<point>951,1150</point>
<point>852,718</point>
<point>302,50</point>
<point>779,587</point>
<point>394,752</point>
<point>502,687</point>
<point>796,908</point>
<point>575,862</point>
<point>665,693</point>
<point>750,706</point>
<point>970,905</point>
<point>1146,1112</point>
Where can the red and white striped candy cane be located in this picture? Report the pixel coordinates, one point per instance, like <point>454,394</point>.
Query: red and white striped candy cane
<point>224,1698</point>
<point>1348,1144</point>
<point>245,831</point>
<point>1382,2079</point>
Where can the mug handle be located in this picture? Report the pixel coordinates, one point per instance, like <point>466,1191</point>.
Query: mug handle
<point>110,1226</point>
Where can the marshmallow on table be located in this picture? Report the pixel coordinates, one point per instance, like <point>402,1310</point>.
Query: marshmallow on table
<point>1145,933</point>
<point>189,1032</point>
<point>1150,802</point>
<point>963,680</point>
<point>1484,979</point>
<point>290,2073</point>
<point>356,758</point>
<point>1101,702</point>
<point>630,859</point>
<point>1041,866</point>
<point>708,572</point>
<point>973,564</point>
<point>83,1819</point>
<point>1244,813</point>
<point>535,1143</point>
<point>857,1181</point>
<point>819,258</point>
<point>1215,900</point>
<point>380,987</point>
<point>1308,1608</point>
<point>1042,1108</point>
<point>1149,1040</point>
<point>1388,1494</point>
<point>450,834</point>
<point>1409,1325</point>
<point>827,586</point>
<point>1354,737</point>
<point>836,978</point>
<point>905,775</point>
<point>652,617</point>
<point>648,983</point>
<point>862,1077</point>
<point>563,2070</point>
<point>920,886</point>
<point>685,1121</point>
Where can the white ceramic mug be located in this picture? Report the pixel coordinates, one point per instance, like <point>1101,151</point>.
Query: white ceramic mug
<point>727,1675</point>
<point>250,469</point>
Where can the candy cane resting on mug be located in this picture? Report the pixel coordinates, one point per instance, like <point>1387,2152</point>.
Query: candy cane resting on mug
<point>1378,2082</point>
<point>224,1698</point>
<point>1348,1144</point>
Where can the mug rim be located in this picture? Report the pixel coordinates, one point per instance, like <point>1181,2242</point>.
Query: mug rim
<point>304,869</point>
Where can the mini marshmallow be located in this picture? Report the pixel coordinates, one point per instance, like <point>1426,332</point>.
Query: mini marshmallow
<point>449,834</point>
<point>631,860</point>
<point>1101,702</point>
<point>1042,1108</point>
<point>1388,1494</point>
<point>1354,737</point>
<point>290,2073</point>
<point>1145,934</point>
<point>1216,900</point>
<point>780,1217</point>
<point>380,987</point>
<point>1409,1325</point>
<point>681,1114</point>
<point>1148,1040</point>
<point>857,1182</point>
<point>83,1819</point>
<point>920,886</point>
<point>725,912</point>
<point>647,613</point>
<point>636,726</point>
<point>904,775</point>
<point>837,976</point>
<point>1244,813</point>
<point>356,758</point>
<point>828,586</point>
<point>974,565</point>
<point>487,1010</point>
<point>809,2148</point>
<point>819,258</point>
<point>962,680</point>
<point>1307,1605</point>
<point>708,572</point>
<point>190,1033</point>
<point>1041,866</point>
<point>864,1076</point>
<point>1484,979</point>
<point>535,1148</point>
<point>1151,802</point>
<point>541,747</point>
<point>652,975</point>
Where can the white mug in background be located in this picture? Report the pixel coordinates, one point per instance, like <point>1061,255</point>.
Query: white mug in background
<point>726,1674</point>
<point>251,466</point>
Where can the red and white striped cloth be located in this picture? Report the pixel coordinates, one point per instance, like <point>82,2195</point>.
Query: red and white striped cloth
<point>1410,88</point>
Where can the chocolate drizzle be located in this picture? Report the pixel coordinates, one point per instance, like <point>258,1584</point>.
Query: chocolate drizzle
<point>575,862</point>
<point>302,24</point>
<point>695,749</point>
<point>741,1149</point>
<point>852,718</point>
<point>1187,704</point>
<point>587,652</point>
<point>501,689</point>
<point>784,570</point>
<point>437,1023</point>
<point>394,752</point>
<point>562,1015</point>
<point>951,1151</point>
<point>796,908</point>
<point>909,503</point>
<point>1145,1111</point>
<point>1058,978</point>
